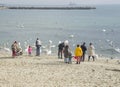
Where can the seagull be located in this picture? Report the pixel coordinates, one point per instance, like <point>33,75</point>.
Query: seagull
<point>104,30</point>
<point>71,36</point>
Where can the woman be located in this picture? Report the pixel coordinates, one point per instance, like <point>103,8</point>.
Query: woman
<point>78,54</point>
<point>66,54</point>
<point>14,49</point>
<point>91,52</point>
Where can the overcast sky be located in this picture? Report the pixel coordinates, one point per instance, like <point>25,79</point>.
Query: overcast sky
<point>58,2</point>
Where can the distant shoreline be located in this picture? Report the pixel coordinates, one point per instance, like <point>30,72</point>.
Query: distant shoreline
<point>54,8</point>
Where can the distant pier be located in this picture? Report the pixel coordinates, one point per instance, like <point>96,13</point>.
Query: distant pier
<point>55,8</point>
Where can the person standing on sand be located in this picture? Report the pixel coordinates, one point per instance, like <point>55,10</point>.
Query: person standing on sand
<point>78,54</point>
<point>84,49</point>
<point>66,54</point>
<point>14,49</point>
<point>91,52</point>
<point>38,46</point>
<point>60,50</point>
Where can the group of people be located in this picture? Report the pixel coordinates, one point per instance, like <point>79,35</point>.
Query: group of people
<point>63,50</point>
<point>79,52</point>
<point>17,50</point>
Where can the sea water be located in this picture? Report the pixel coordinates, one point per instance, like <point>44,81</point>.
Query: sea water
<point>99,26</point>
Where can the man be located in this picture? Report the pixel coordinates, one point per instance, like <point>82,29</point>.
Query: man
<point>60,49</point>
<point>84,49</point>
<point>38,45</point>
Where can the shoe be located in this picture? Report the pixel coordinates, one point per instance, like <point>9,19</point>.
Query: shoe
<point>76,62</point>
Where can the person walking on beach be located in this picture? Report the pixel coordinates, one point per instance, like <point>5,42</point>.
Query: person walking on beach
<point>91,52</point>
<point>38,46</point>
<point>29,50</point>
<point>84,49</point>
<point>60,50</point>
<point>78,54</point>
<point>14,49</point>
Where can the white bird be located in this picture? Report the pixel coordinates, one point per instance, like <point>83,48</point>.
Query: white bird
<point>117,50</point>
<point>71,36</point>
<point>6,49</point>
<point>104,30</point>
<point>50,42</point>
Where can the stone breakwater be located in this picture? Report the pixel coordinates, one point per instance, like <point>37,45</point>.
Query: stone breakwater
<point>58,8</point>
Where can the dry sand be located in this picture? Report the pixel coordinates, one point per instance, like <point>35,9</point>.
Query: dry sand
<point>49,71</point>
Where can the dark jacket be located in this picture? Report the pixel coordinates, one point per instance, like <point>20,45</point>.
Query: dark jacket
<point>61,46</point>
<point>84,48</point>
<point>66,52</point>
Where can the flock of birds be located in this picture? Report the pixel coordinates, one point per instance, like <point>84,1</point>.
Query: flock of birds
<point>111,43</point>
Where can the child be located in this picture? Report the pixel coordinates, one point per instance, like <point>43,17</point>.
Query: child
<point>78,54</point>
<point>70,57</point>
<point>29,50</point>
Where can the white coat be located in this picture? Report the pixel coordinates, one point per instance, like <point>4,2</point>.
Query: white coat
<point>91,50</point>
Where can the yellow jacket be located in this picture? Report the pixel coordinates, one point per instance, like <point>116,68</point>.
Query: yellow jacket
<point>78,51</point>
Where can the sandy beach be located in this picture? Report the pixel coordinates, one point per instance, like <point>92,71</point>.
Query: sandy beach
<point>49,71</point>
